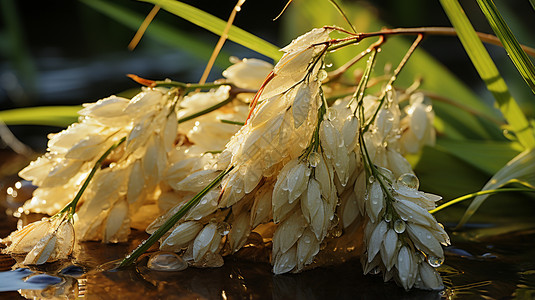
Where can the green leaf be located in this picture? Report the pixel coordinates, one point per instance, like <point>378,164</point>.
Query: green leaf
<point>216,25</point>
<point>480,193</point>
<point>454,122</point>
<point>487,156</point>
<point>159,31</point>
<point>489,73</point>
<point>171,221</point>
<point>516,53</point>
<point>519,169</point>
<point>60,116</point>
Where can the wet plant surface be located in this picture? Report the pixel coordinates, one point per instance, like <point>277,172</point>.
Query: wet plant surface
<point>492,261</point>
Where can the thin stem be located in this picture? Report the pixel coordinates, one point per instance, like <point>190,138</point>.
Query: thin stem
<point>256,97</point>
<point>339,9</point>
<point>403,62</point>
<point>368,165</point>
<point>468,109</point>
<point>232,122</point>
<point>361,88</point>
<point>205,111</point>
<point>487,192</point>
<point>394,77</point>
<point>168,83</point>
<point>283,10</point>
<point>447,31</point>
<point>143,27</point>
<point>341,70</point>
<point>314,144</point>
<point>221,41</point>
<point>213,152</point>
<point>146,244</point>
<point>71,207</point>
<point>188,86</point>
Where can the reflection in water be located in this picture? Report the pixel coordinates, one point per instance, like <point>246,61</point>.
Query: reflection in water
<point>511,272</point>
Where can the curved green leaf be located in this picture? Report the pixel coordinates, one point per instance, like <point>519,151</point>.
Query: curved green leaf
<point>61,116</point>
<point>489,73</point>
<point>216,25</point>
<point>480,193</point>
<point>519,169</point>
<point>517,55</point>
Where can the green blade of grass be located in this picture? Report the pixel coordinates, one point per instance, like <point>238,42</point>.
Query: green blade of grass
<point>61,116</point>
<point>216,25</point>
<point>517,55</point>
<point>159,31</point>
<point>519,169</point>
<point>489,73</point>
<point>477,194</point>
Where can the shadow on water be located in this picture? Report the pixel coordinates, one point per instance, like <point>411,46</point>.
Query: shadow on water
<point>485,261</point>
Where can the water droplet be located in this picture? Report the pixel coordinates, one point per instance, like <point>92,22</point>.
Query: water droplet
<point>409,180</point>
<point>314,159</point>
<point>331,114</point>
<point>166,261</point>
<point>322,74</point>
<point>371,179</point>
<point>388,217</point>
<point>399,226</point>
<point>434,261</point>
